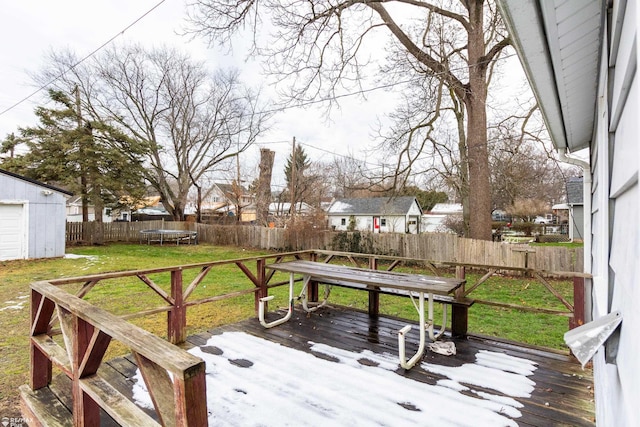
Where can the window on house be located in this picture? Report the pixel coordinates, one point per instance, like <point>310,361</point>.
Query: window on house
<point>383,222</point>
<point>343,221</point>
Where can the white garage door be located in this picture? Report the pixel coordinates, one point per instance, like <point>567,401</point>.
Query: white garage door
<point>12,233</point>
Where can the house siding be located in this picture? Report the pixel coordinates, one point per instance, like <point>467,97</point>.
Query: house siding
<point>45,215</point>
<point>366,211</point>
<point>615,216</point>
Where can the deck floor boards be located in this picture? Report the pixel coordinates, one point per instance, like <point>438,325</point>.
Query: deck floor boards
<point>562,394</point>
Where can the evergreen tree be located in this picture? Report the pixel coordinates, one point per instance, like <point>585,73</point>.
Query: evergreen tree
<point>88,157</point>
<point>296,177</point>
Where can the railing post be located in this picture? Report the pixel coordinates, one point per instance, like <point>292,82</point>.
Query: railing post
<point>191,395</point>
<point>578,303</point>
<point>261,273</point>
<point>86,412</point>
<point>177,316</point>
<point>41,366</point>
<point>374,297</point>
<point>459,313</point>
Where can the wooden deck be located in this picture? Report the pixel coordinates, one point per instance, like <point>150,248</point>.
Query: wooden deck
<point>562,394</point>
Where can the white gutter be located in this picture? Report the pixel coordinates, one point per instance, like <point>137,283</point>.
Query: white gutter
<point>586,196</point>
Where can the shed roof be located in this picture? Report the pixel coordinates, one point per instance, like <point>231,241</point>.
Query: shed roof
<point>558,42</point>
<point>373,206</point>
<point>575,194</point>
<point>33,181</point>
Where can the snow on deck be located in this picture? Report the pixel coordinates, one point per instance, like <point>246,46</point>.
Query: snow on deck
<point>255,382</point>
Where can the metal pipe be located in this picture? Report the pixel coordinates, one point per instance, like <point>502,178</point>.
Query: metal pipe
<point>586,191</point>
<point>586,197</point>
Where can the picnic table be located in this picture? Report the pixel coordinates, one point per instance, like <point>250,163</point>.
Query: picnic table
<point>416,286</point>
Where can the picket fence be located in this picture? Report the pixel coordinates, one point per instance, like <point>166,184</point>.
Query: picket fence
<point>437,247</point>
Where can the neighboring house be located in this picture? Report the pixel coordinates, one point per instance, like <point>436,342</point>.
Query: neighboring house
<point>581,57</point>
<point>435,221</point>
<point>280,212</point>
<point>74,211</point>
<point>223,199</point>
<point>575,202</point>
<point>377,214</point>
<point>32,218</point>
<point>148,209</point>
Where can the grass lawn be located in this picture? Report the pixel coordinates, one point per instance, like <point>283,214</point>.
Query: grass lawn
<point>123,296</point>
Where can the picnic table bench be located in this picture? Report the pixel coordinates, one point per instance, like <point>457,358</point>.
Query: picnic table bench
<point>418,286</point>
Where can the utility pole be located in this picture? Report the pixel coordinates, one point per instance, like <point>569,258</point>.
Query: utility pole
<point>83,171</point>
<point>293,182</point>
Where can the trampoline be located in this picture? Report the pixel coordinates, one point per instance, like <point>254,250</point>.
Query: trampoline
<point>169,236</point>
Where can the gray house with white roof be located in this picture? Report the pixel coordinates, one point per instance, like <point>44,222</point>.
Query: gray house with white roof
<point>575,201</point>
<point>376,214</point>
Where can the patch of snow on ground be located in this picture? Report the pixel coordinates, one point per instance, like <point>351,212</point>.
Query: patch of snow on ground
<point>287,387</point>
<point>75,256</point>
<point>15,305</point>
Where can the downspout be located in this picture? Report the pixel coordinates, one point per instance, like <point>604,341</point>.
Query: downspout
<point>586,197</point>
<point>586,191</point>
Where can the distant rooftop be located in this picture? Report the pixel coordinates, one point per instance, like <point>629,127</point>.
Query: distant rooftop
<point>372,206</point>
<point>575,195</point>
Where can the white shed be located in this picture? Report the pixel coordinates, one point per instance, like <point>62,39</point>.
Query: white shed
<point>32,218</point>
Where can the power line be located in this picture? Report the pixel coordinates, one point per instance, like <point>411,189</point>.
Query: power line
<point>93,52</point>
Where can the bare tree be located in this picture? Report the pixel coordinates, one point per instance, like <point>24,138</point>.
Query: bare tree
<point>323,47</point>
<point>187,121</point>
<point>521,167</point>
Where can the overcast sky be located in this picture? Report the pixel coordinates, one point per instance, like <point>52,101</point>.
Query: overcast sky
<point>32,28</point>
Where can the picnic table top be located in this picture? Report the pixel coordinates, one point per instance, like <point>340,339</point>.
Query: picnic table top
<point>373,278</point>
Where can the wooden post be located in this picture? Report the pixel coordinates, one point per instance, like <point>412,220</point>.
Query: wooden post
<point>86,412</point>
<point>578,303</point>
<point>261,273</point>
<point>312,289</point>
<point>191,395</point>
<point>374,297</point>
<point>459,314</point>
<point>41,367</point>
<point>177,316</point>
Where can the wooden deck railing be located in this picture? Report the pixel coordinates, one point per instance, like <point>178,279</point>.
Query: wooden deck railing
<point>174,378</point>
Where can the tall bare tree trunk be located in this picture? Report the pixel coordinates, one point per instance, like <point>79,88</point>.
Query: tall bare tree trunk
<point>263,194</point>
<point>476,100</point>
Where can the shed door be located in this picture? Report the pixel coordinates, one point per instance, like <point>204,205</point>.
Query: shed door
<point>12,233</point>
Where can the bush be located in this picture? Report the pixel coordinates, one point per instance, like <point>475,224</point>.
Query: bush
<point>526,227</point>
<point>352,242</point>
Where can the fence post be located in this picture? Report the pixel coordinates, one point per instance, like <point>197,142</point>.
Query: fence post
<point>459,314</point>
<point>177,316</point>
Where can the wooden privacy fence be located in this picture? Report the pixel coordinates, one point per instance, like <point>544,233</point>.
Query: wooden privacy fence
<point>439,247</point>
